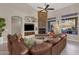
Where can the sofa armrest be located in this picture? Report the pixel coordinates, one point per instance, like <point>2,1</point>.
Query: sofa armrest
<point>25,52</point>
<point>23,49</point>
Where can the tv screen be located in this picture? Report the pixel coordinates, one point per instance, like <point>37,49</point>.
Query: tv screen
<point>28,27</point>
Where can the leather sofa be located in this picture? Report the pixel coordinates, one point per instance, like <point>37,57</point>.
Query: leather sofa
<point>16,47</point>
<point>42,49</point>
<point>59,46</point>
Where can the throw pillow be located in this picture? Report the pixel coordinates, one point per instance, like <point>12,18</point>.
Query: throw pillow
<point>53,35</point>
<point>39,41</point>
<point>29,42</point>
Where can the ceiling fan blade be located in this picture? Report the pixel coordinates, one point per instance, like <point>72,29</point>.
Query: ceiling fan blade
<point>40,7</point>
<point>46,6</point>
<point>50,9</point>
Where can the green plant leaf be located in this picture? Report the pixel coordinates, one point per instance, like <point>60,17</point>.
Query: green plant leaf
<point>2,24</point>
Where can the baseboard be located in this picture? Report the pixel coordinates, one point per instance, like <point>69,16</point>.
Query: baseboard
<point>3,42</point>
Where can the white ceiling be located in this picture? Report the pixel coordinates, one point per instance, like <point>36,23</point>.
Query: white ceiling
<point>53,5</point>
<point>24,6</point>
<point>27,6</point>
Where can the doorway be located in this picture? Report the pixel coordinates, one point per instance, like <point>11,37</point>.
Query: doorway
<point>16,24</point>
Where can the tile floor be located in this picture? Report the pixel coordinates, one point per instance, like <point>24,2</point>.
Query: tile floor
<point>72,48</point>
<point>4,49</point>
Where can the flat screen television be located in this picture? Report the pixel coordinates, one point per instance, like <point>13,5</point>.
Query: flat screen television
<point>29,27</point>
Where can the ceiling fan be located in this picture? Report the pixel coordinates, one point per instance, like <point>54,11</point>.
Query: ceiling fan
<point>46,7</point>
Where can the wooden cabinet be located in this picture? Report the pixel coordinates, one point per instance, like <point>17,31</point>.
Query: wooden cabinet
<point>42,19</point>
<point>29,33</point>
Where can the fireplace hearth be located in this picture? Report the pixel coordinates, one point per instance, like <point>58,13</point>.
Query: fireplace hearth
<point>42,31</point>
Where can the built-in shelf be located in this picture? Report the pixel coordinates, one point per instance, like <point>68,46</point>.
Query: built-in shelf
<point>30,20</point>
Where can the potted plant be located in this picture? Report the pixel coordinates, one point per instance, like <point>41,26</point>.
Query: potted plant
<point>2,24</point>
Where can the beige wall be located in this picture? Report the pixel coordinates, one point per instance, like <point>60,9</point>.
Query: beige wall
<point>8,10</point>
<point>67,10</point>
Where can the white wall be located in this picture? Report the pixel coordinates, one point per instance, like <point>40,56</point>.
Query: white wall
<point>67,10</point>
<point>8,10</point>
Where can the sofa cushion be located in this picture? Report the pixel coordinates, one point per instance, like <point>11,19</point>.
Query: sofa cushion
<point>53,41</point>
